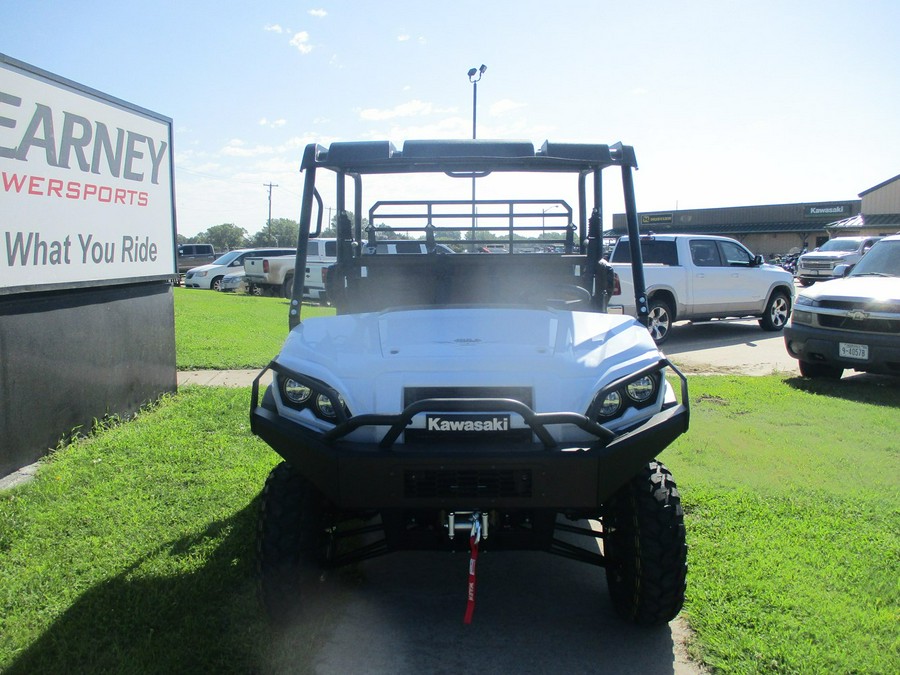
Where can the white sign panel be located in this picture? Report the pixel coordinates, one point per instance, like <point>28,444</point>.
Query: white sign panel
<point>85,185</point>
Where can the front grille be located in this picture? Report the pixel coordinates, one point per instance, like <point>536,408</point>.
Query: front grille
<point>817,264</point>
<point>862,326</point>
<point>521,394</point>
<point>469,484</point>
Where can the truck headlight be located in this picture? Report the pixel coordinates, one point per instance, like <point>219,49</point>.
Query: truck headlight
<point>641,390</point>
<point>805,300</point>
<point>302,393</point>
<point>610,404</point>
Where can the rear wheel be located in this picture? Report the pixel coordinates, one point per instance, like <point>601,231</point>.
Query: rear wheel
<point>645,548</point>
<point>287,289</point>
<point>822,370</point>
<point>659,320</point>
<point>291,540</point>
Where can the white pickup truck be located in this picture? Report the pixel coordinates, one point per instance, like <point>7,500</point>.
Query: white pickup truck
<point>700,277</point>
<point>275,275</point>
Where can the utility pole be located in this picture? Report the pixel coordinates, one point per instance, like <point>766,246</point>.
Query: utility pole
<point>270,186</point>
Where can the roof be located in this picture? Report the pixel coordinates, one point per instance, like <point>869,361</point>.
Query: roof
<point>889,220</point>
<point>366,157</point>
<point>880,185</point>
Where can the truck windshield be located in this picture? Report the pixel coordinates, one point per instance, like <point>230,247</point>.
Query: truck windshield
<point>840,245</point>
<point>882,259</point>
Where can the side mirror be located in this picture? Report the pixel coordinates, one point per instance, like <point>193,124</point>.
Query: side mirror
<point>758,260</point>
<point>842,270</point>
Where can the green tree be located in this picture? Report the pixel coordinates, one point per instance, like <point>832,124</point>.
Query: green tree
<point>283,232</point>
<point>224,237</point>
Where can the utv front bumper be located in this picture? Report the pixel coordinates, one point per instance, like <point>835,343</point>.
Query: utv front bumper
<point>457,475</point>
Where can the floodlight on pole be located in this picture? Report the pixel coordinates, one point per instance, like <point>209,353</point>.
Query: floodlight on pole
<point>475,75</point>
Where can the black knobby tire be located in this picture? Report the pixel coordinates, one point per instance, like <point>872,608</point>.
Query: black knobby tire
<point>287,288</point>
<point>645,548</point>
<point>659,320</point>
<point>820,370</point>
<point>291,540</point>
<point>777,312</point>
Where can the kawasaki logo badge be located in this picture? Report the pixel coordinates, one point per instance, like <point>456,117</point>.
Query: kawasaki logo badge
<point>467,423</point>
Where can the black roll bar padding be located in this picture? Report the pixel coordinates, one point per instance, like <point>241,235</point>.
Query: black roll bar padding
<point>634,244</point>
<point>430,243</point>
<point>319,215</point>
<point>309,191</point>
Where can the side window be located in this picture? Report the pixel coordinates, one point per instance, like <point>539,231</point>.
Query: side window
<point>734,255</point>
<point>704,253</point>
<point>331,249</point>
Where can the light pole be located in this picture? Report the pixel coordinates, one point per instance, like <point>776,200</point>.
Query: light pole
<point>475,75</point>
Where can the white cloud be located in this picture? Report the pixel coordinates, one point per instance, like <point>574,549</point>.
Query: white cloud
<point>319,13</point>
<point>412,108</point>
<point>504,106</point>
<point>274,28</point>
<point>301,42</point>
<point>402,38</point>
<point>272,124</point>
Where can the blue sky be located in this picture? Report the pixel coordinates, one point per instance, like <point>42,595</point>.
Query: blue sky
<point>726,103</point>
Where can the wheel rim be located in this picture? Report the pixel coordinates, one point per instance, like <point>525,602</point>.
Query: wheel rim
<point>779,312</point>
<point>658,322</point>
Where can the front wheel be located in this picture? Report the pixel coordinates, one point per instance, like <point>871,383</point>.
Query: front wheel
<point>659,320</point>
<point>216,284</point>
<point>645,548</point>
<point>777,313</point>
<point>291,540</point>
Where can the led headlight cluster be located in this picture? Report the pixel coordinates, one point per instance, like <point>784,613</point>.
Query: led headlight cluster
<point>312,395</point>
<point>637,393</point>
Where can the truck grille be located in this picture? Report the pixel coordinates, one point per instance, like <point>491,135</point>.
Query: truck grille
<point>469,484</point>
<point>521,394</point>
<point>817,264</point>
<point>867,325</point>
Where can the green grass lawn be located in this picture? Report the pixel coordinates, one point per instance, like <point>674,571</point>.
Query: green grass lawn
<point>132,550</point>
<point>225,331</point>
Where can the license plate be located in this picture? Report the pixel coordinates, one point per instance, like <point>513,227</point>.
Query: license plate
<point>848,350</point>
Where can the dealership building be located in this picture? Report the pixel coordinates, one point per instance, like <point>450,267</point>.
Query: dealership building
<point>778,229</point>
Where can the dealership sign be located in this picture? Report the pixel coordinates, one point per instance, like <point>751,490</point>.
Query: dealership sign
<point>826,211</point>
<point>86,193</point>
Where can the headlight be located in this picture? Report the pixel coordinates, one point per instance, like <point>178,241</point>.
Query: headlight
<point>610,404</point>
<point>200,274</point>
<point>637,393</point>
<point>806,300</point>
<point>295,392</point>
<point>641,390</point>
<point>302,393</point>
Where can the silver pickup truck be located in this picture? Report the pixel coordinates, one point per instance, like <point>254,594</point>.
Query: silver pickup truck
<point>275,275</point>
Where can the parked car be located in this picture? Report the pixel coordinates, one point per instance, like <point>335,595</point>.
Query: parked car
<point>701,277</point>
<point>819,265</point>
<point>210,276</point>
<point>852,322</point>
<point>237,282</point>
<point>192,255</point>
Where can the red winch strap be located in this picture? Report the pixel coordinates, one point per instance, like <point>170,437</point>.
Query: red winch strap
<point>470,603</point>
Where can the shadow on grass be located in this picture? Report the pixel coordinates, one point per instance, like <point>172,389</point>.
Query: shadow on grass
<point>401,613</point>
<point>201,621</point>
<point>881,390</point>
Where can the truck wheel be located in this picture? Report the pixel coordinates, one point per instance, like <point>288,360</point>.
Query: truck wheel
<point>822,370</point>
<point>645,548</point>
<point>659,320</point>
<point>216,284</point>
<point>777,312</point>
<point>291,540</point>
<point>287,289</point>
